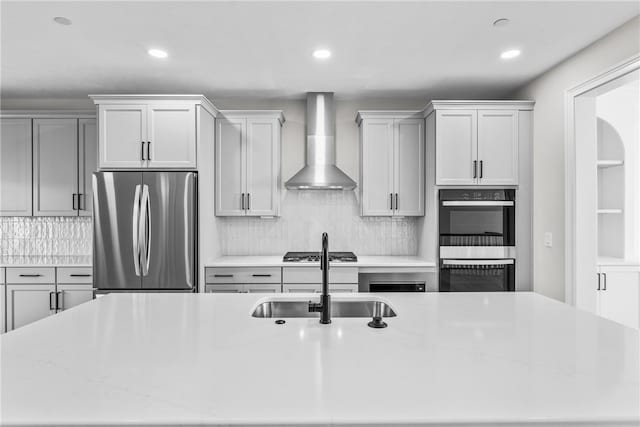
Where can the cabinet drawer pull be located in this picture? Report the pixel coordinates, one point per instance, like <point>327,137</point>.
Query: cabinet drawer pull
<point>80,275</point>
<point>223,275</point>
<point>261,275</point>
<point>30,275</point>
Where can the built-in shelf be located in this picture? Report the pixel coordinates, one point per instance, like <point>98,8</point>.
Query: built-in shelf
<point>609,163</point>
<point>609,211</point>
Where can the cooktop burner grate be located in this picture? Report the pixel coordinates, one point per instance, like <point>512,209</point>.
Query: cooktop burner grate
<point>315,257</point>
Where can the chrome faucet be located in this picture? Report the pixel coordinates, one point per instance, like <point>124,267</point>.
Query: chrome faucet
<point>324,306</point>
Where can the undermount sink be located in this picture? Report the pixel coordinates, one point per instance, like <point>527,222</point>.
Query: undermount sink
<point>286,308</point>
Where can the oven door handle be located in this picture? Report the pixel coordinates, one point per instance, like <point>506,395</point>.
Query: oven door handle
<point>478,261</point>
<point>477,203</point>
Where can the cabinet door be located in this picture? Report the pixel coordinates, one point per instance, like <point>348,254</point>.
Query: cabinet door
<point>224,289</point>
<point>3,309</point>
<point>456,147</point>
<point>70,295</point>
<point>87,163</point>
<point>55,167</point>
<point>122,136</point>
<point>409,167</point>
<point>263,154</point>
<point>343,288</point>
<point>498,147</point>
<point>303,287</point>
<point>27,303</point>
<point>230,166</point>
<point>619,298</point>
<point>255,288</point>
<point>377,167</point>
<point>15,167</point>
<point>171,137</point>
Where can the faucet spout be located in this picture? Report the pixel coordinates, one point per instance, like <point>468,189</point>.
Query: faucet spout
<point>324,306</point>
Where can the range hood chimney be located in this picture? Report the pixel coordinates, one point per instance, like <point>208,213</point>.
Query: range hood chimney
<point>320,171</point>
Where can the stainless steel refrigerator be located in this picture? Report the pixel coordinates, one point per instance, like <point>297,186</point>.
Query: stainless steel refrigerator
<point>145,231</point>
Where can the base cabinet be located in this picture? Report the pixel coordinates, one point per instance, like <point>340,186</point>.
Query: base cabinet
<point>334,288</point>
<point>248,288</point>
<point>618,296</point>
<point>33,294</point>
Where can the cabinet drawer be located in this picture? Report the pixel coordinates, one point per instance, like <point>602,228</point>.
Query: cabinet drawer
<point>313,274</point>
<point>317,288</point>
<point>31,275</point>
<point>75,275</point>
<point>243,275</point>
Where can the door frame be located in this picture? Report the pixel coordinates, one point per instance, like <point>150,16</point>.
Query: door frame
<point>625,67</point>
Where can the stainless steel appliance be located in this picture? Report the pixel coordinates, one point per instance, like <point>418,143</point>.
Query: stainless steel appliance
<point>316,256</point>
<point>392,282</point>
<point>477,240</point>
<point>145,231</point>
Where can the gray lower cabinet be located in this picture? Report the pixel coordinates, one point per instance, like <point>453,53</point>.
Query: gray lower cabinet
<point>257,288</point>
<point>33,294</point>
<point>15,167</point>
<point>243,280</point>
<point>317,288</point>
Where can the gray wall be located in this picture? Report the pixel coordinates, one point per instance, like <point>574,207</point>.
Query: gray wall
<point>548,90</point>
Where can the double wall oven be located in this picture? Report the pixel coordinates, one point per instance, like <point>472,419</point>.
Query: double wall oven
<point>477,240</point>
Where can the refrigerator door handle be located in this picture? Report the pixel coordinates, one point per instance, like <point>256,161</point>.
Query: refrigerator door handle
<point>136,230</point>
<point>145,229</point>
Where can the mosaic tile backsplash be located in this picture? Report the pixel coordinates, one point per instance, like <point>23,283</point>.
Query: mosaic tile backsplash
<point>42,239</point>
<point>305,215</point>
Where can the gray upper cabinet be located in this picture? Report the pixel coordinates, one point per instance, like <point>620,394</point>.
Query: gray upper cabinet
<point>393,161</point>
<point>87,163</point>
<point>476,142</point>
<point>15,167</point>
<point>248,163</point>
<point>55,170</point>
<point>64,157</point>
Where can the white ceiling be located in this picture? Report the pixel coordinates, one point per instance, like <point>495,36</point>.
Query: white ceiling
<point>263,49</point>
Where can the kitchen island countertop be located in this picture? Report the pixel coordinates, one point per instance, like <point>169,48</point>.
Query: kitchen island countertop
<point>201,359</point>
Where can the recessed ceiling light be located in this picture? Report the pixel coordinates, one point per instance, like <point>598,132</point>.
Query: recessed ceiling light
<point>62,20</point>
<point>158,53</point>
<point>502,22</point>
<point>322,53</point>
<point>510,54</point>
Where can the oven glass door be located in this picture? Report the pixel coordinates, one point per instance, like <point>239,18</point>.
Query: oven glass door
<point>477,275</point>
<point>477,222</point>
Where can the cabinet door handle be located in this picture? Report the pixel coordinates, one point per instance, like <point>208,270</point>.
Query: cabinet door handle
<point>51,302</point>
<point>248,201</point>
<point>481,163</point>
<point>148,150</point>
<point>598,280</point>
<point>142,150</point>
<point>73,202</point>
<point>242,201</point>
<point>223,275</point>
<point>391,201</point>
<point>82,202</point>
<point>261,275</point>
<point>30,275</point>
<point>475,169</point>
<point>604,282</point>
<point>80,275</point>
<point>59,301</point>
<point>396,201</point>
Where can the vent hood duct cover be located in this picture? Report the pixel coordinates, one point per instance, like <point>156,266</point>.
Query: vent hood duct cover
<point>320,171</point>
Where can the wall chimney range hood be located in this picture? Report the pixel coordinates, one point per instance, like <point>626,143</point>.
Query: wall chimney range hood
<point>320,171</point>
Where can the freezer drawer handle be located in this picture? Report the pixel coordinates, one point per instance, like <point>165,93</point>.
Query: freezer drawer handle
<point>30,275</point>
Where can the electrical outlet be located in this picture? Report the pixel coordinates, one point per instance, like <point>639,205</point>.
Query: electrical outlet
<point>548,239</point>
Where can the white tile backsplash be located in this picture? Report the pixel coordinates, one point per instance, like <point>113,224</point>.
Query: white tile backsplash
<point>305,215</point>
<point>44,237</point>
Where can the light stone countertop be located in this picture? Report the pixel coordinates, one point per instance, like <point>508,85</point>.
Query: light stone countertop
<point>46,261</point>
<point>363,261</point>
<point>201,359</point>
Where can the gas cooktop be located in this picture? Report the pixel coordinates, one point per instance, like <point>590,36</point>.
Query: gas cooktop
<point>315,257</point>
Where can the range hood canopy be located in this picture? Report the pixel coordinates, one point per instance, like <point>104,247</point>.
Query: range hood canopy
<point>320,171</point>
